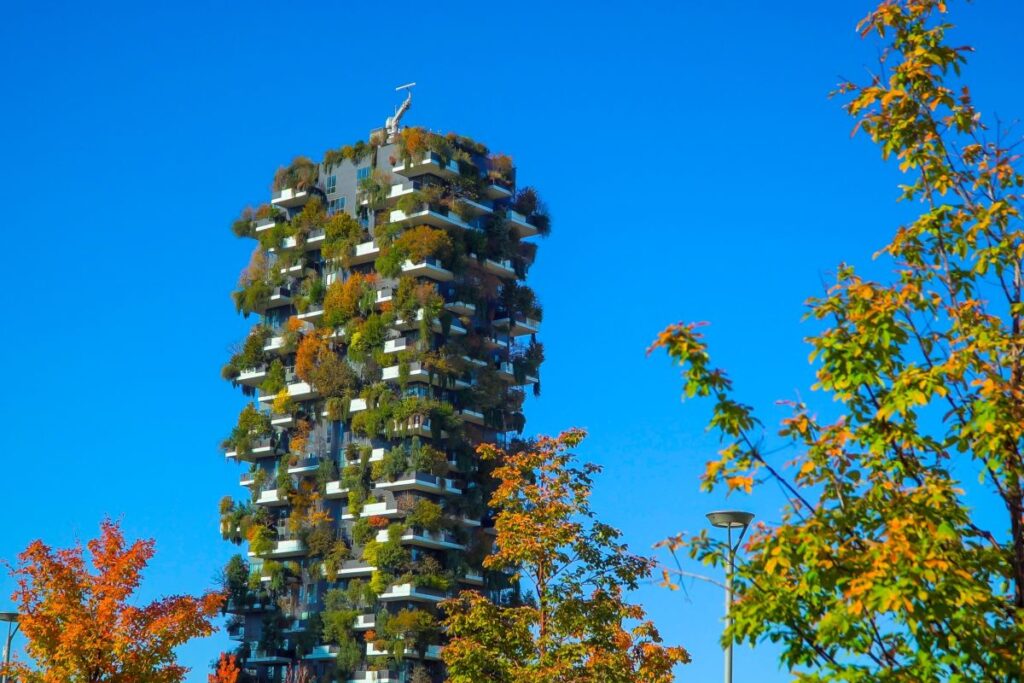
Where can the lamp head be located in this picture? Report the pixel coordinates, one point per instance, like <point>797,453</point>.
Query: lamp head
<point>730,519</point>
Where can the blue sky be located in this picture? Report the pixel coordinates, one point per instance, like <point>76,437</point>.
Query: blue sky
<point>692,161</point>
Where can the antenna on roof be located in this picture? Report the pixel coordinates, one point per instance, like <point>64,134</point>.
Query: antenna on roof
<point>391,125</point>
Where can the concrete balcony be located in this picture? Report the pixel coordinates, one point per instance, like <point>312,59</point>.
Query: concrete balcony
<point>502,269</point>
<point>454,328</point>
<point>506,371</point>
<point>299,391</point>
<point>264,447</point>
<point>497,341</point>
<point>461,308</point>
<point>247,478</point>
<point>334,489</point>
<point>430,163</point>
<point>432,653</point>
<point>409,592</point>
<point>354,568</point>
<point>397,345</point>
<point>417,373</point>
<point>518,326</point>
<point>313,314</point>
<point>372,677</point>
<point>294,271</point>
<point>279,296</point>
<point>380,509</point>
<point>399,190</point>
<point>322,652</point>
<point>417,425</point>
<point>383,297</point>
<point>305,465</point>
<point>265,224</point>
<point>314,240</point>
<point>290,198</point>
<point>266,657</point>
<point>471,416</point>
<point>365,252</point>
<point>473,578</point>
<point>497,191</point>
<point>291,547</point>
<point>271,498</point>
<point>430,268</point>
<point>475,361</point>
<point>477,208</point>
<point>252,377</point>
<point>364,622</point>
<point>420,481</point>
<point>282,420</point>
<point>436,218</point>
<point>274,345</point>
<point>523,227</point>
<point>438,540</point>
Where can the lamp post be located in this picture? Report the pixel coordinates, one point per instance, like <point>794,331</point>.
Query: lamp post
<point>729,520</point>
<point>12,628</point>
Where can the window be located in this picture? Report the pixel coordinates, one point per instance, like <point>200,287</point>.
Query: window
<point>332,184</point>
<point>363,173</point>
<point>336,205</point>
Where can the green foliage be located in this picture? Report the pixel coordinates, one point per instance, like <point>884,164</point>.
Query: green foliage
<point>362,532</point>
<point>252,425</point>
<point>427,515</point>
<point>354,153</point>
<point>275,380</point>
<point>342,233</point>
<point>394,465</point>
<point>880,567</point>
<point>301,174</point>
<point>548,534</point>
<point>236,580</point>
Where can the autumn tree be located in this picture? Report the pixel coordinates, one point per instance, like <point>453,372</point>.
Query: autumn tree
<point>578,626</point>
<point>881,567</point>
<point>82,626</point>
<point>226,670</point>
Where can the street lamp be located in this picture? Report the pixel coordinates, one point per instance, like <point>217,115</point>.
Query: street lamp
<point>12,628</point>
<point>729,520</point>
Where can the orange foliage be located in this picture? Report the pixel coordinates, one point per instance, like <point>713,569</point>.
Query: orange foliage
<point>300,436</point>
<point>423,242</point>
<point>414,141</point>
<point>84,625</point>
<point>256,270</point>
<point>341,302</point>
<point>306,356</point>
<point>227,670</point>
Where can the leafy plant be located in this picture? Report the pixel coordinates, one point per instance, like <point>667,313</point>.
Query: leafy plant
<point>887,568</point>
<point>578,568</point>
<point>78,622</point>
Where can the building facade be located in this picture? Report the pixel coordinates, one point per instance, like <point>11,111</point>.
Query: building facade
<point>393,333</point>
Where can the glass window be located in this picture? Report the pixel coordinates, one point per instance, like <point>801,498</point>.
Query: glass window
<point>336,205</point>
<point>363,173</point>
<point>332,184</point>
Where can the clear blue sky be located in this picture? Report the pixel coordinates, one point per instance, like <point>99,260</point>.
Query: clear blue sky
<point>691,158</point>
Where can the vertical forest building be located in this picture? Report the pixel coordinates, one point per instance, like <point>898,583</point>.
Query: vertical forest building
<point>393,333</point>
